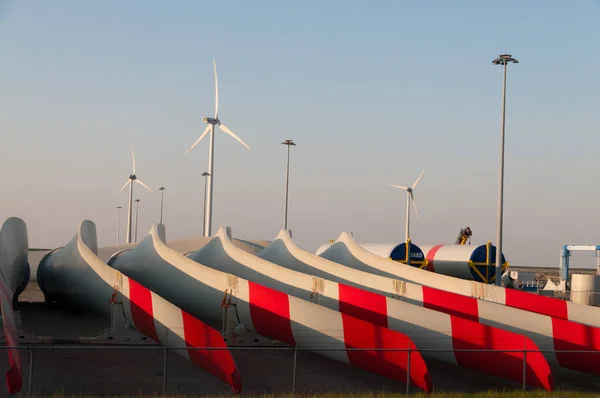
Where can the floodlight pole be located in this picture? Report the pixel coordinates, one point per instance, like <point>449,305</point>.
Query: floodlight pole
<point>118,221</point>
<point>289,143</point>
<point>204,227</point>
<point>162,197</point>
<point>137,213</point>
<point>503,60</point>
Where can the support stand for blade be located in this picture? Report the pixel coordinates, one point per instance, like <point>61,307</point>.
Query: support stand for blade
<point>120,331</point>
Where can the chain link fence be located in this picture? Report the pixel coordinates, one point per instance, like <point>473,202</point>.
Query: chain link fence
<point>147,370</point>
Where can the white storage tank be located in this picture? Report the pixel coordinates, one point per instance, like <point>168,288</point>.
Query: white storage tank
<point>585,289</point>
<point>461,261</point>
<point>476,263</point>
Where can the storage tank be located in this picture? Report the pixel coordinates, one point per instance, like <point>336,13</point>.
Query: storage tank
<point>461,261</point>
<point>464,261</point>
<point>397,252</point>
<point>585,289</point>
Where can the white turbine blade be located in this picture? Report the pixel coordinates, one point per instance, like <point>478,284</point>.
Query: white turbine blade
<point>418,179</point>
<point>133,158</point>
<point>216,91</point>
<point>231,133</point>
<point>123,187</point>
<point>206,130</point>
<point>414,204</point>
<point>398,186</point>
<point>144,185</point>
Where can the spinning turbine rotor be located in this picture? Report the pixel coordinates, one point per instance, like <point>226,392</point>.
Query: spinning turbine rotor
<point>210,128</point>
<point>130,181</point>
<point>409,197</point>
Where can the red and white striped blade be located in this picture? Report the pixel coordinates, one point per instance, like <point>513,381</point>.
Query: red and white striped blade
<point>76,274</point>
<point>174,328</point>
<point>549,333</point>
<point>14,375</point>
<point>370,305</point>
<point>362,304</point>
<point>298,322</point>
<point>567,337</point>
<point>463,335</point>
<point>498,358</point>
<point>268,312</point>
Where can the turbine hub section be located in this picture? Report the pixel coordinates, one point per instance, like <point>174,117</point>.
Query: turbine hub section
<point>132,177</point>
<point>211,120</point>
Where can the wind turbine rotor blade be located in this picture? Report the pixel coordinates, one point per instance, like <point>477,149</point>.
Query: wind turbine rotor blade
<point>414,204</point>
<point>226,130</point>
<point>418,179</point>
<point>398,186</point>
<point>216,91</point>
<point>144,185</point>
<point>123,187</point>
<point>133,159</point>
<point>206,130</point>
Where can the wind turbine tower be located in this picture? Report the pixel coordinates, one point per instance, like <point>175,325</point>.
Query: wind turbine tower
<point>210,129</point>
<point>409,197</point>
<point>132,178</point>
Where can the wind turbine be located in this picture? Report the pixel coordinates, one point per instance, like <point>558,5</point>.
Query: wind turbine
<point>409,197</point>
<point>132,178</point>
<point>212,121</point>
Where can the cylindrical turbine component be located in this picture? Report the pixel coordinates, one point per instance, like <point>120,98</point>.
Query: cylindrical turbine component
<point>463,261</point>
<point>200,290</point>
<point>14,276</point>
<point>74,274</point>
<point>14,247</point>
<point>475,263</point>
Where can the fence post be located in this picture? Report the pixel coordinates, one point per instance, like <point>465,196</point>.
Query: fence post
<point>294,371</point>
<point>166,358</point>
<point>165,371</point>
<point>408,371</point>
<point>524,365</point>
<point>30,380</point>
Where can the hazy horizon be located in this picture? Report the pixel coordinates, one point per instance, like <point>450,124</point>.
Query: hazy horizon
<point>372,94</point>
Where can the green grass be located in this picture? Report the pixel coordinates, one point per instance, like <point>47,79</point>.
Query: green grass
<point>487,394</point>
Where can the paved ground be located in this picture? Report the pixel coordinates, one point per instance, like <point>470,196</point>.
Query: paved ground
<point>142,371</point>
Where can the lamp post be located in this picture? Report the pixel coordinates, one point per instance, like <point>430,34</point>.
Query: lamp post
<point>137,213</point>
<point>162,196</point>
<point>504,60</point>
<point>205,175</point>
<point>118,222</point>
<point>289,143</point>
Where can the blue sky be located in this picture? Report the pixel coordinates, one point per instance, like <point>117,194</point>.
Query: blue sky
<point>372,93</point>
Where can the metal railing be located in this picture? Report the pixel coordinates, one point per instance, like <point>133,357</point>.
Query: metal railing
<point>118,370</point>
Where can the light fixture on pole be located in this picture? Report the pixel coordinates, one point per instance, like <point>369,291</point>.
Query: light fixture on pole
<point>118,222</point>
<point>137,213</point>
<point>289,143</point>
<point>210,128</point>
<point>504,60</point>
<point>205,175</point>
<point>162,196</point>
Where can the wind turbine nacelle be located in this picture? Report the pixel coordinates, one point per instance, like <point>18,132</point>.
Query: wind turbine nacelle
<point>211,120</point>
